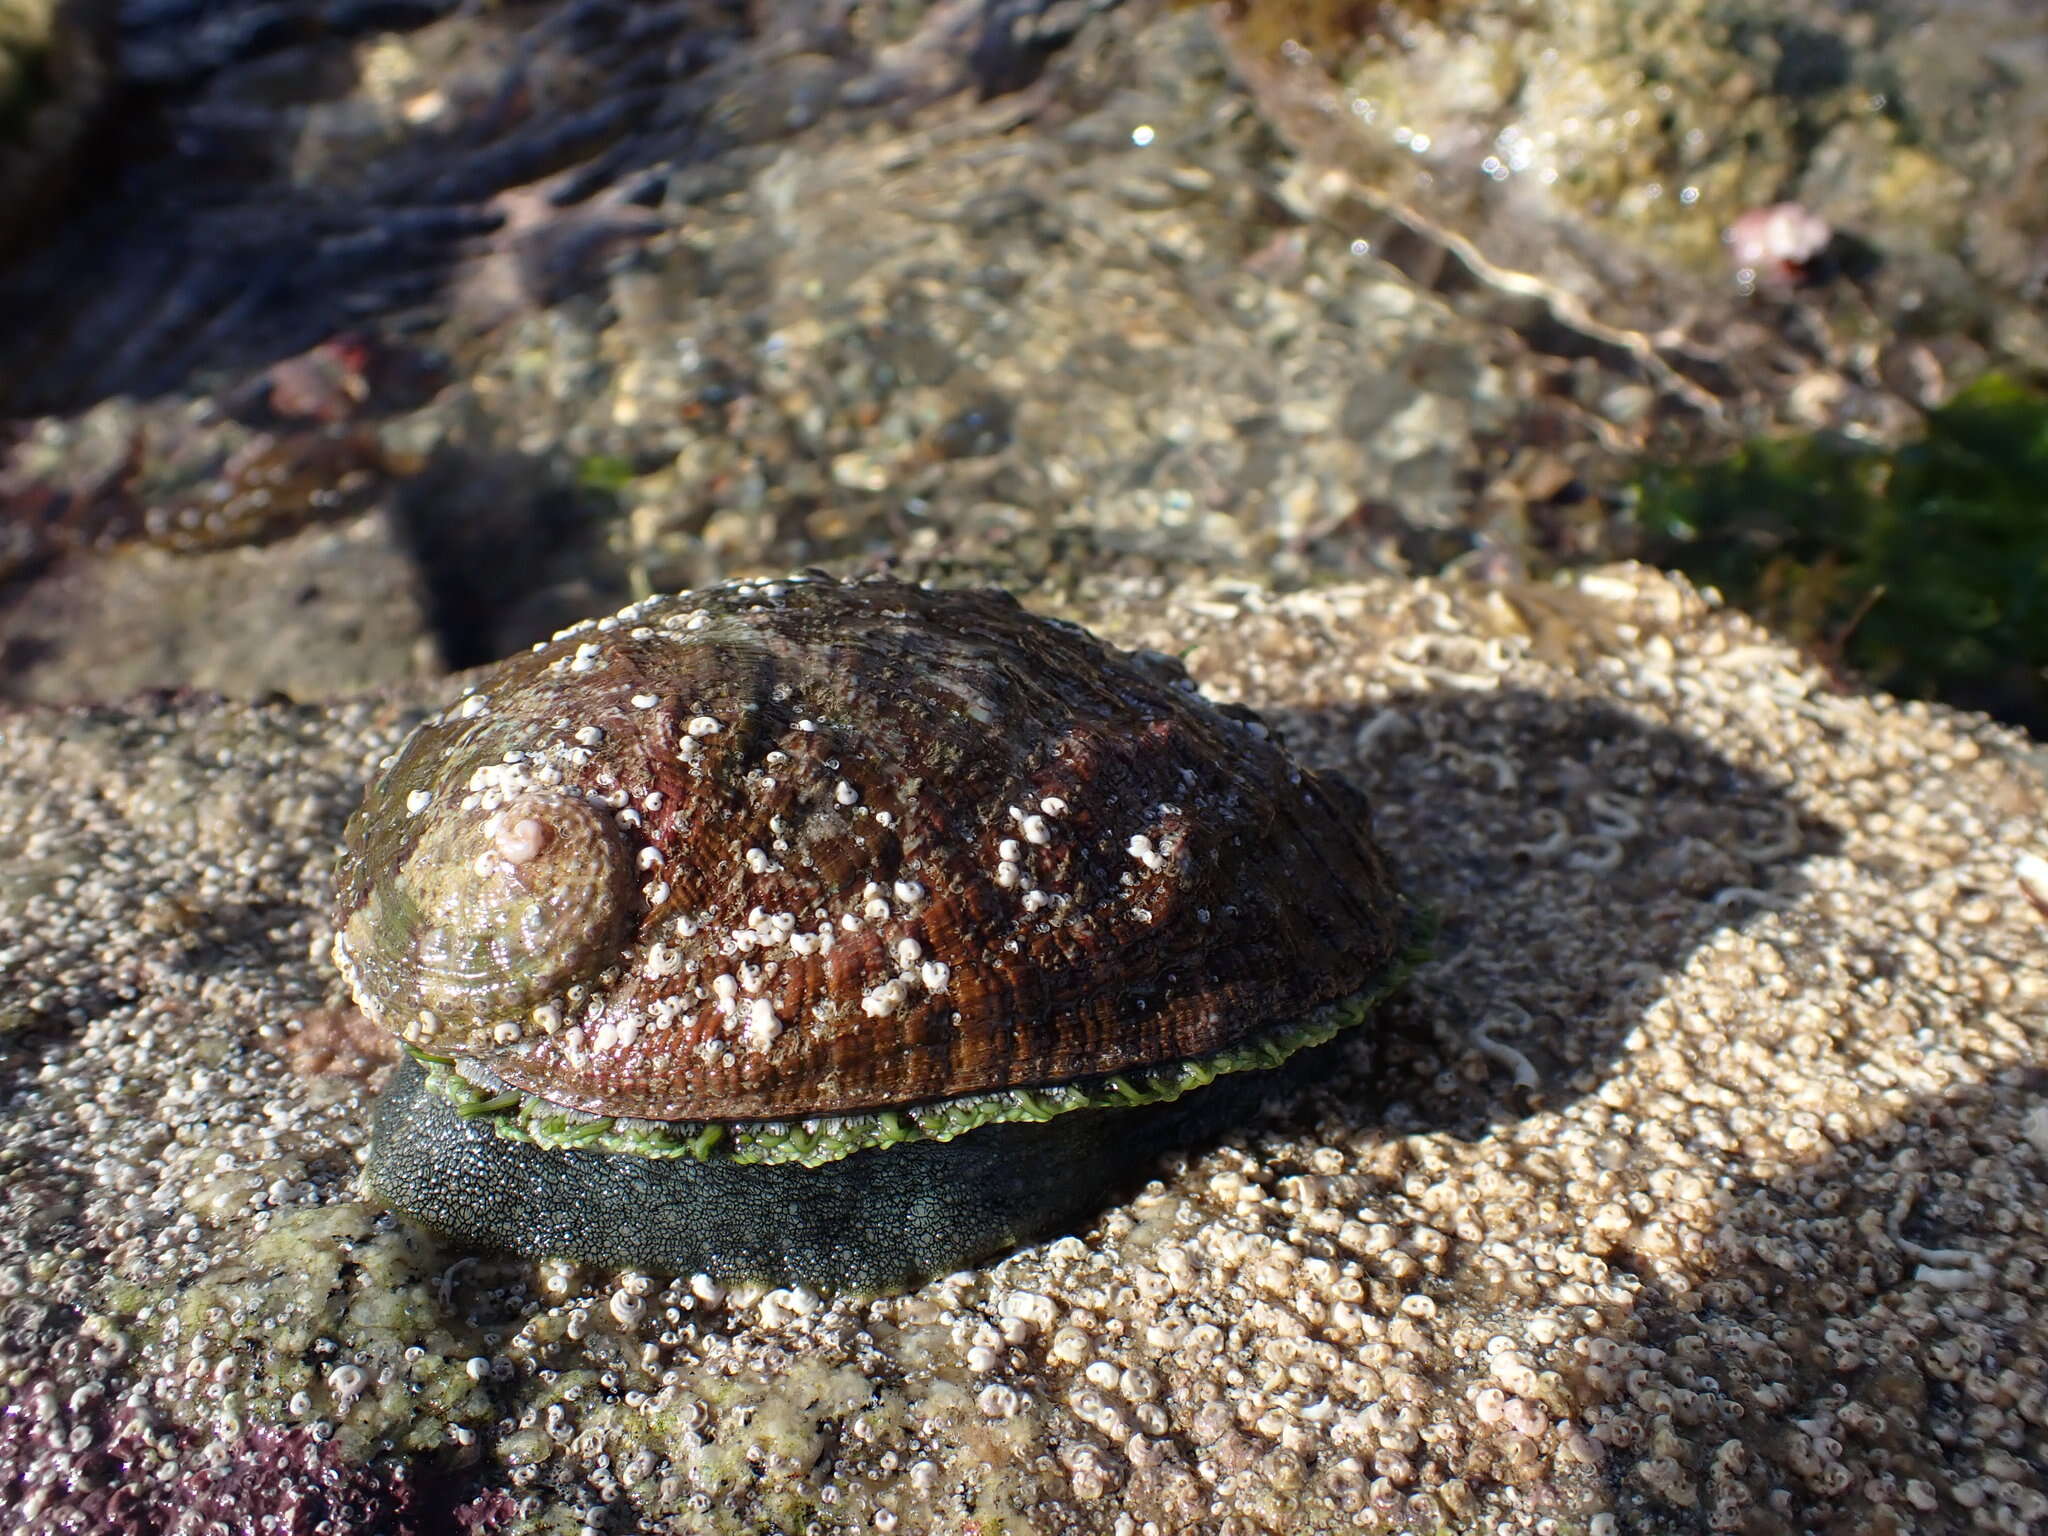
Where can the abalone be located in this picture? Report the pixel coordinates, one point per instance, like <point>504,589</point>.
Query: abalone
<point>836,932</point>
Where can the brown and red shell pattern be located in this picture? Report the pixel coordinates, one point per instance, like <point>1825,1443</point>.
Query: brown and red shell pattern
<point>802,848</point>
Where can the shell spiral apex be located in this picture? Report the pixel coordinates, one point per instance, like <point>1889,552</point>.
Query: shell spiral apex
<point>497,911</point>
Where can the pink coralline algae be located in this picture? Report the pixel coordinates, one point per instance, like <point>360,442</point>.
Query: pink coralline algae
<point>72,1468</point>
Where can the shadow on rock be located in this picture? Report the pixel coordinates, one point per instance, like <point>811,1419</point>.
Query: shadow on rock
<point>1855,1343</point>
<point>1573,857</point>
<point>511,549</point>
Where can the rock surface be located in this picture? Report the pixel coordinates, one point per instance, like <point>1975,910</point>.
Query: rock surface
<point>1700,1185</point>
<point>679,289</point>
<point>332,610</point>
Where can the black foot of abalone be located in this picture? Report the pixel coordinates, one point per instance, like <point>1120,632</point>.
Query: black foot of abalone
<point>878,1220</point>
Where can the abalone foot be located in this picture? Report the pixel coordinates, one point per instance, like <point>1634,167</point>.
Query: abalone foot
<point>879,1220</point>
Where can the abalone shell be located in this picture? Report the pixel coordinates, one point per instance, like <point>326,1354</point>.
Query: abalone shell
<point>811,847</point>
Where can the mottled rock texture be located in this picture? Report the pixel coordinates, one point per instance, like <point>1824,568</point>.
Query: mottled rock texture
<point>1700,1186</point>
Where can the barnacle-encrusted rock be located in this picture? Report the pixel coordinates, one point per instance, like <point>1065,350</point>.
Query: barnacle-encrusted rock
<point>1764,1246</point>
<point>797,872</point>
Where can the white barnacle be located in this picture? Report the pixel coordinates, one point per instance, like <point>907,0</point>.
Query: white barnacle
<point>934,974</point>
<point>758,862</point>
<point>1009,848</point>
<point>908,891</point>
<point>547,1017</point>
<point>590,735</point>
<point>476,704</point>
<point>1053,805</point>
<point>662,961</point>
<point>763,1025</point>
<point>1035,830</point>
<point>645,701</point>
<point>1008,874</point>
<point>1140,848</point>
<point>876,910</point>
<point>347,1383</point>
<point>702,725</point>
<point>650,857</point>
<point>587,656</point>
<point>846,794</point>
<point>908,952</point>
<point>879,1002</point>
<point>418,801</point>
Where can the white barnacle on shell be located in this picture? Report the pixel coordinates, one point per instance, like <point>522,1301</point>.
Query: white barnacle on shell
<point>881,1001</point>
<point>764,1025</point>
